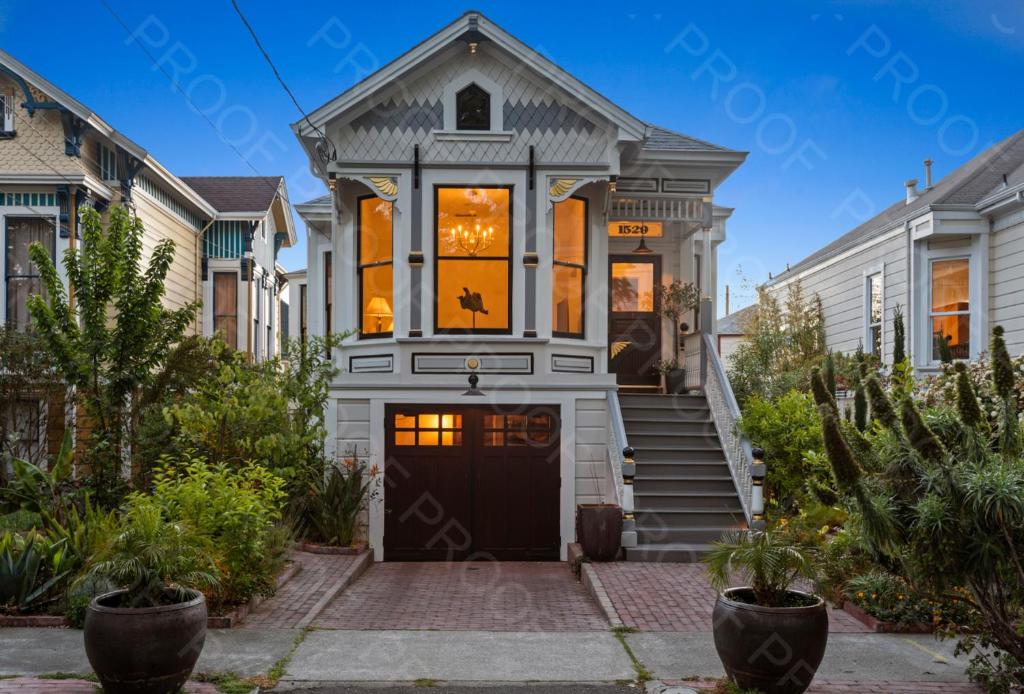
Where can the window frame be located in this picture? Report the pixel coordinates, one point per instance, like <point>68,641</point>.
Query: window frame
<point>483,127</point>
<point>507,258</point>
<point>328,291</point>
<point>7,103</point>
<point>931,314</point>
<point>303,312</point>
<point>869,344</point>
<point>586,262</point>
<point>360,266</point>
<point>232,340</point>
<point>46,219</point>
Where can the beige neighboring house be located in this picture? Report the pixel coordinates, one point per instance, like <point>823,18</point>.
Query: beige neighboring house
<point>950,254</point>
<point>732,331</point>
<point>57,157</point>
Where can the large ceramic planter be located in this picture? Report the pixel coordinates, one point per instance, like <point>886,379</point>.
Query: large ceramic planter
<point>675,381</point>
<point>148,649</point>
<point>599,530</point>
<point>775,650</point>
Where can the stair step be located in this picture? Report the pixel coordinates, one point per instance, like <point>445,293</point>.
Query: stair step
<point>680,455</point>
<point>674,552</point>
<point>700,468</point>
<point>662,400</point>
<point>654,536</point>
<point>666,414</point>
<point>658,425</point>
<point>671,439</point>
<point>684,501</point>
<point>649,519</point>
<point>683,483</point>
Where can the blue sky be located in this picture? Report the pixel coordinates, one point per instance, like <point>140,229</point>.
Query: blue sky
<point>837,102</point>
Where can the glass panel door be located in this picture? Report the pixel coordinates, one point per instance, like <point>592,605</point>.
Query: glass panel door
<point>634,326</point>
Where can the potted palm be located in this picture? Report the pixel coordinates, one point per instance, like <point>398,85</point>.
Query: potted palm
<point>675,299</point>
<point>769,636</point>
<point>147,636</point>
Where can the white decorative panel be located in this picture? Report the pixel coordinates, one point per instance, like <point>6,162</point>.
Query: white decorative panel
<point>372,364</point>
<point>567,363</point>
<point>456,363</point>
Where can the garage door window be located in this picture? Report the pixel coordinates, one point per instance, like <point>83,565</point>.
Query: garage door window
<point>428,429</point>
<point>518,430</point>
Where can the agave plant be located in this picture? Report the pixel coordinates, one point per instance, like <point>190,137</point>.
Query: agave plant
<point>31,567</point>
<point>770,559</point>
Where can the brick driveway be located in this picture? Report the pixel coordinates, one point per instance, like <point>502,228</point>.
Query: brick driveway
<point>675,597</point>
<point>297,597</point>
<point>484,596</point>
<point>861,687</point>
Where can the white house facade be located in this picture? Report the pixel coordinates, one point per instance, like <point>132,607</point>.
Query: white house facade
<point>950,256</point>
<point>493,238</point>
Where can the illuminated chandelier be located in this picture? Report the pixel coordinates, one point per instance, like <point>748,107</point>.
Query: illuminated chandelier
<point>472,240</point>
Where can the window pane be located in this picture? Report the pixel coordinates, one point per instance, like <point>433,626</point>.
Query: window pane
<point>472,294</point>
<point>570,231</point>
<point>956,331</point>
<point>473,109</point>
<point>473,222</point>
<point>429,421</point>
<point>875,298</point>
<point>21,233</point>
<point>451,421</point>
<point>632,287</point>
<point>567,300</point>
<point>405,421</point>
<point>428,438</point>
<point>494,438</point>
<point>876,340</point>
<point>405,438</point>
<point>516,421</point>
<point>18,291</point>
<point>494,421</point>
<point>950,287</point>
<point>374,230</point>
<point>378,300</point>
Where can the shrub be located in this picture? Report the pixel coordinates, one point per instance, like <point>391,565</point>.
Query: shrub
<point>31,570</point>
<point>336,501</point>
<point>891,598</point>
<point>787,429</point>
<point>235,511</point>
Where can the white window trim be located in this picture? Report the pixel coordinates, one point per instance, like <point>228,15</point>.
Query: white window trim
<point>7,112</point>
<point>464,79</point>
<point>866,303</point>
<point>930,315</point>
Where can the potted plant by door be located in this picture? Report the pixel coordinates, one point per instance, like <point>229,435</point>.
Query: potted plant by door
<point>147,636</point>
<point>675,299</point>
<point>599,527</point>
<point>769,636</point>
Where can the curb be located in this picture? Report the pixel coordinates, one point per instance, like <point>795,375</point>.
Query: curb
<point>592,582</point>
<point>361,564</point>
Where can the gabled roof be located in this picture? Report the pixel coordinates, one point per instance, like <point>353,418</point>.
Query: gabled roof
<point>237,193</point>
<point>966,185</point>
<point>12,66</point>
<point>662,139</point>
<point>476,25</point>
<point>737,322</point>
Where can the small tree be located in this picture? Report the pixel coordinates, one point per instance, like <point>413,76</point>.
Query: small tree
<point>110,341</point>
<point>27,379</point>
<point>675,299</point>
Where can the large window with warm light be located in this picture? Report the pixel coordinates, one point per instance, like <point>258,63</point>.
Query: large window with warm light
<point>472,270</point>
<point>569,267</point>
<point>950,313</point>
<point>376,268</point>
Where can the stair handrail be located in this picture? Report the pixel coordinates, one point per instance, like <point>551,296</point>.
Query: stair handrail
<point>620,455</point>
<point>746,464</point>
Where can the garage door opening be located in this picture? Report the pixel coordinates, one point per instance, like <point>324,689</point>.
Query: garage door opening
<point>471,483</point>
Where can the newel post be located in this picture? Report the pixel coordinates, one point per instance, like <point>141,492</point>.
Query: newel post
<point>628,471</point>
<point>757,474</point>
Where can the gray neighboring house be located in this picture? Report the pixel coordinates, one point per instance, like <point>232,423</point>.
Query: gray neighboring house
<point>950,254</point>
<point>732,330</point>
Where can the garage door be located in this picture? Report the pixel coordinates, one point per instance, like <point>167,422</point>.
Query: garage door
<point>471,483</point>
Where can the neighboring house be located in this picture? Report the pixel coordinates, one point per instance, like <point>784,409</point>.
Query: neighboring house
<point>240,278</point>
<point>732,331</point>
<point>293,320</point>
<point>492,217</point>
<point>56,157</point>
<point>951,255</point>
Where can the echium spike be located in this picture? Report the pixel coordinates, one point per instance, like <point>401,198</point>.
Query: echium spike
<point>847,471</point>
<point>920,436</point>
<point>860,408</point>
<point>820,391</point>
<point>966,400</point>
<point>1002,366</point>
<point>881,405</point>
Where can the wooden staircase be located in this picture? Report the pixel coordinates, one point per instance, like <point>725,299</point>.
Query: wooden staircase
<point>684,493</point>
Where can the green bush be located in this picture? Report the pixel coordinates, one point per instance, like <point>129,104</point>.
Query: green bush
<point>787,429</point>
<point>336,501</point>
<point>891,598</point>
<point>32,567</point>
<point>235,511</point>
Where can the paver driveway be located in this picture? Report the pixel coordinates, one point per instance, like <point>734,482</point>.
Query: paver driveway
<point>479,596</point>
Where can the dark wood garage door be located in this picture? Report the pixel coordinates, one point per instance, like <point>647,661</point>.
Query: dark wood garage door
<point>471,483</point>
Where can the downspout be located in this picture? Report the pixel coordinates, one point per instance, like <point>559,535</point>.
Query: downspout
<point>198,270</point>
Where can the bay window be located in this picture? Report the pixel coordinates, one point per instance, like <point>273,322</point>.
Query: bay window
<point>950,314</point>
<point>472,268</point>
<point>569,267</point>
<point>376,268</point>
<point>21,275</point>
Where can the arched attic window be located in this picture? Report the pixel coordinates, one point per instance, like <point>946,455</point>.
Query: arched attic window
<point>472,108</point>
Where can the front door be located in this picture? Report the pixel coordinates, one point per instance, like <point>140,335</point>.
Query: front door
<point>634,324</point>
<point>471,483</point>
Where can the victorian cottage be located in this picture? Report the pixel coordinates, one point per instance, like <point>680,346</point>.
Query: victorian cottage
<point>494,235</point>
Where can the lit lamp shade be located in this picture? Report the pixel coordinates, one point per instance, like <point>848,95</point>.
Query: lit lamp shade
<point>379,309</point>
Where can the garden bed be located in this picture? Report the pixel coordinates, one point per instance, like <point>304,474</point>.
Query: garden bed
<point>312,548</point>
<point>234,617</point>
<point>34,620</point>
<point>880,627</point>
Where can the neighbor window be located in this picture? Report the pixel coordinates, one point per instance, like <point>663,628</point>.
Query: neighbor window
<point>569,267</point>
<point>472,109</point>
<point>328,292</point>
<point>225,306</point>
<point>376,288</point>
<point>6,113</point>
<point>473,269</point>
<point>950,308</point>
<point>21,274</point>
<point>303,303</point>
<point>873,309</point>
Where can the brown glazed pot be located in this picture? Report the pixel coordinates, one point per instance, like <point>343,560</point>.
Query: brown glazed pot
<point>599,530</point>
<point>148,649</point>
<point>775,650</point>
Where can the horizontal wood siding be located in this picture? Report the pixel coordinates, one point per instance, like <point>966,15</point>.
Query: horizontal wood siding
<point>353,428</point>
<point>593,481</point>
<point>1006,279</point>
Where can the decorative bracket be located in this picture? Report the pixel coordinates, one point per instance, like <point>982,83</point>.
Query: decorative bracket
<point>74,127</point>
<point>560,188</point>
<point>127,167</point>
<point>385,186</point>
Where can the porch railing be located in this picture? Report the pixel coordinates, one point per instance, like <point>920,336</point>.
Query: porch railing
<point>620,457</point>
<point>704,371</point>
